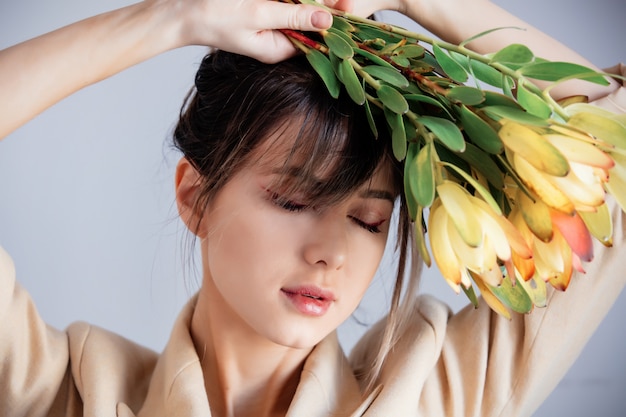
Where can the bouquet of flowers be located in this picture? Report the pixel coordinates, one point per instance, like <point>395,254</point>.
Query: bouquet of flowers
<point>514,182</point>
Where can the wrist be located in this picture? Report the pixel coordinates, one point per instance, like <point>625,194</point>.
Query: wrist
<point>450,20</point>
<point>163,25</point>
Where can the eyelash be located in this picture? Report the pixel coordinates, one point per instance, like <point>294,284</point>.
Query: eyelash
<point>297,207</point>
<point>372,228</point>
<point>286,204</point>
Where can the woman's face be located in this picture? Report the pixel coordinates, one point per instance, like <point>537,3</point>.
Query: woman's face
<point>282,268</point>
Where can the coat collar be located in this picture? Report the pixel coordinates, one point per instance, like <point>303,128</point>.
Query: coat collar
<point>327,385</point>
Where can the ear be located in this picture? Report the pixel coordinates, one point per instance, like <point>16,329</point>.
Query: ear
<point>187,183</point>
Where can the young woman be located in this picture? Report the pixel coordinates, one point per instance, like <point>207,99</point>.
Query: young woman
<point>291,200</point>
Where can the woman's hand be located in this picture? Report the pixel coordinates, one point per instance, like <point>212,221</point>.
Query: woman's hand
<point>248,27</point>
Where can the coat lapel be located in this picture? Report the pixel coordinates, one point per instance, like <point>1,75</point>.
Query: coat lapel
<point>327,385</point>
<point>177,386</point>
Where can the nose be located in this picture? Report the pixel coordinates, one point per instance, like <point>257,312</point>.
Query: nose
<point>327,244</point>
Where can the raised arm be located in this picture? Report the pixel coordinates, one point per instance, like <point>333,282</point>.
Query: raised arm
<point>38,73</point>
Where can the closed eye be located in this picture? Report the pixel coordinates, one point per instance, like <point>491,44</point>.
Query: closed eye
<point>285,203</point>
<point>370,227</point>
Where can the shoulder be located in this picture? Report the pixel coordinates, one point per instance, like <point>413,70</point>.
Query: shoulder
<point>424,313</point>
<point>107,365</point>
<point>421,334</point>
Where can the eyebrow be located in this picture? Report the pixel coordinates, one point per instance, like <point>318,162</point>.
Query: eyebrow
<point>380,194</point>
<point>297,172</point>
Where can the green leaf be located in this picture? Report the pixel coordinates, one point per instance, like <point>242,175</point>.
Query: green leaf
<point>401,61</point>
<point>446,155</point>
<point>536,290</point>
<point>342,24</point>
<point>374,58</point>
<point>482,162</point>
<point>486,74</point>
<point>370,119</point>
<point>392,46</point>
<point>335,62</point>
<point>517,115</point>
<point>410,51</point>
<point>452,68</point>
<point>410,130</point>
<point>344,36</point>
<point>351,82</point>
<point>446,131</point>
<point>461,59</point>
<point>471,295</point>
<point>420,238</point>
<point>414,89</point>
<point>555,71</point>
<point>486,32</point>
<point>392,99</point>
<point>411,202</point>
<point>469,96</point>
<point>481,133</point>
<point>423,65</point>
<point>427,100</point>
<point>508,84</point>
<point>422,177</point>
<point>532,103</point>
<point>514,54</point>
<point>338,45</point>
<point>497,99</point>
<point>324,69</point>
<point>514,297</point>
<point>389,75</point>
<point>430,61</point>
<point>366,32</point>
<point>398,134</point>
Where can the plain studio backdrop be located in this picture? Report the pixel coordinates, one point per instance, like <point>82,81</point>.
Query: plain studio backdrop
<point>87,207</point>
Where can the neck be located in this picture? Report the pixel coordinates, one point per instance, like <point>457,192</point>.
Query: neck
<point>244,373</point>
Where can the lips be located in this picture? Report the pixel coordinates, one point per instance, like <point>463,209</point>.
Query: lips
<point>309,300</point>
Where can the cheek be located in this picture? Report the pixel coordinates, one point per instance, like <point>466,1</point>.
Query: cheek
<point>249,249</point>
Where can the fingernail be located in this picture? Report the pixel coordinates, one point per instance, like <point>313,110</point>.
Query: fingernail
<point>321,20</point>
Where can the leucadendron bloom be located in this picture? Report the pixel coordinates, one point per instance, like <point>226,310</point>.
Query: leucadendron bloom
<point>470,241</point>
<point>563,168</point>
<point>609,129</point>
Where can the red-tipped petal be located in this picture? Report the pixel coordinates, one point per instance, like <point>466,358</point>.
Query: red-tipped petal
<point>575,232</point>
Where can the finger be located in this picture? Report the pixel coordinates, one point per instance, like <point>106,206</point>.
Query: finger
<point>344,5</point>
<point>271,46</point>
<point>276,15</point>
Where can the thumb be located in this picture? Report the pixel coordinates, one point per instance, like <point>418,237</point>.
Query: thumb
<point>296,16</point>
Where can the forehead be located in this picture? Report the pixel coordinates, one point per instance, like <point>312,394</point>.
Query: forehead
<point>295,160</point>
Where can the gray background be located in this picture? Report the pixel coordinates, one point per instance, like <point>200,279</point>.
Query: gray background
<point>87,209</point>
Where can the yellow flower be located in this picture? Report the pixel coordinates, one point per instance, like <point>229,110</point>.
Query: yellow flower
<point>555,259</point>
<point>467,235</point>
<point>563,168</point>
<point>610,129</point>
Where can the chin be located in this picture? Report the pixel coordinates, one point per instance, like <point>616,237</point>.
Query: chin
<point>298,339</point>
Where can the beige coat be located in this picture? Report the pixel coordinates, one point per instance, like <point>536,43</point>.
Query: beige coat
<point>473,363</point>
